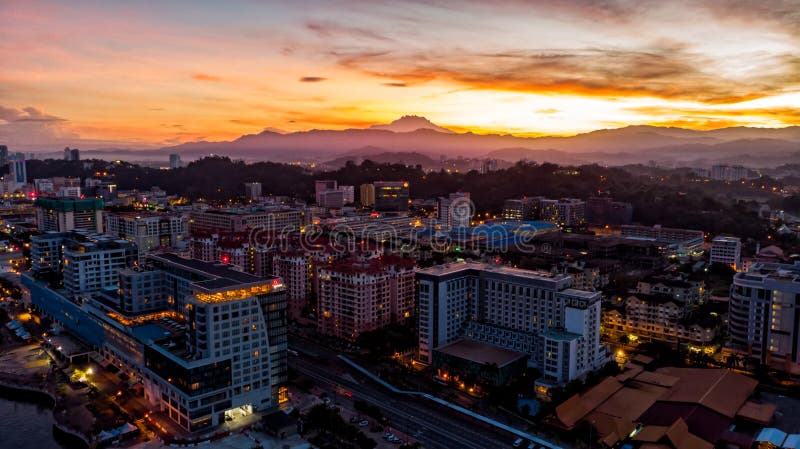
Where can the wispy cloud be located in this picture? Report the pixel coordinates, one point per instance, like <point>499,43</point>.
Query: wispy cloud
<point>312,79</point>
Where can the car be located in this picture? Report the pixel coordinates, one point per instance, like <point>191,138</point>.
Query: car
<point>354,419</point>
<point>518,442</point>
<point>388,436</point>
<point>348,394</point>
<point>533,445</point>
<point>363,423</point>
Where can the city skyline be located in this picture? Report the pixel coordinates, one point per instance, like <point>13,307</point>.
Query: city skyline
<point>145,76</point>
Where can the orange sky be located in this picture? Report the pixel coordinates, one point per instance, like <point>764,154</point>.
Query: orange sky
<point>148,74</point>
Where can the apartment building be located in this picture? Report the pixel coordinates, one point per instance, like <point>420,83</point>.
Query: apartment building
<point>564,211</point>
<point>726,250</point>
<point>357,295</point>
<point>66,214</point>
<point>149,230</point>
<point>763,321</point>
<point>455,210</point>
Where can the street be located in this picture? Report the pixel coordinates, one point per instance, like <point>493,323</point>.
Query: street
<point>434,427</point>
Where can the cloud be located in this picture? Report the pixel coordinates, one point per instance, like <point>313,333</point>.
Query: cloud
<point>548,111</point>
<point>396,84</point>
<point>206,77</point>
<point>736,116</point>
<point>26,127</point>
<point>312,79</point>
<point>329,29</point>
<point>667,70</point>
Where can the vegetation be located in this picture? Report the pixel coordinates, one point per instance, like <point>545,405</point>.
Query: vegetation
<point>334,432</point>
<point>670,197</point>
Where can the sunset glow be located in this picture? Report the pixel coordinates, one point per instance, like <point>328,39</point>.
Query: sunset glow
<point>149,74</point>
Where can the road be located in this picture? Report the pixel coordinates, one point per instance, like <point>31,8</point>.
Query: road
<point>433,427</point>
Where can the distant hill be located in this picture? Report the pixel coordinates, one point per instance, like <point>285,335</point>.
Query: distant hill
<point>412,134</point>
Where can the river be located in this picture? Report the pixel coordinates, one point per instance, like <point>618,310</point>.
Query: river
<point>26,425</point>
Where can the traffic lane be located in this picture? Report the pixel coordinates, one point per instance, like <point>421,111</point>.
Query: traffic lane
<point>429,422</point>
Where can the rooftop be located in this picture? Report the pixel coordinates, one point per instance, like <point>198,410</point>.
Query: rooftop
<point>482,353</point>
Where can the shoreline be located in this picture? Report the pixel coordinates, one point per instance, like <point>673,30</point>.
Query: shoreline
<point>32,395</point>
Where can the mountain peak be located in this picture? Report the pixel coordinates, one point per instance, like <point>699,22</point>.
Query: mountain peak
<point>411,123</point>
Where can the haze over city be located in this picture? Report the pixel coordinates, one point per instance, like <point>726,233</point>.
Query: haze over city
<point>153,74</point>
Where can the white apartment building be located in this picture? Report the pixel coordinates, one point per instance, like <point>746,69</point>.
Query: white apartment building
<point>726,250</point>
<point>511,308</point>
<point>564,211</point>
<point>763,321</point>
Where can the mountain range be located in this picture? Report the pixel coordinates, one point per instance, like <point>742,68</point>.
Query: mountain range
<point>408,135</point>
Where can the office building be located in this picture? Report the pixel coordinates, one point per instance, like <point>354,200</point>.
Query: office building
<point>149,230</point>
<point>72,154</point>
<point>3,155</point>
<point>564,211</point>
<point>358,295</point>
<point>270,218</point>
<point>763,322</point>
<point>391,195</point>
<point>331,199</point>
<point>455,210</point>
<point>252,190</point>
<point>175,161</point>
<point>367,195</point>
<point>727,251</point>
<point>323,185</point>
<point>520,310</point>
<point>66,214</point>
<point>681,241</point>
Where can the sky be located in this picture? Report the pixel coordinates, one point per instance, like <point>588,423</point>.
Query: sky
<point>146,74</point>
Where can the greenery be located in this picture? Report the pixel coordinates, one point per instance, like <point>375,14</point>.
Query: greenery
<point>382,344</point>
<point>334,432</point>
<point>670,197</point>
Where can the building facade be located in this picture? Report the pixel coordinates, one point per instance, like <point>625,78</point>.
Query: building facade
<point>763,321</point>
<point>727,251</point>
<point>391,195</point>
<point>67,214</point>
<point>510,308</point>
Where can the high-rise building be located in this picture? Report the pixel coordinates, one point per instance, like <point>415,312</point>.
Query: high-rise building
<point>367,195</point>
<point>204,340</point>
<point>726,250</point>
<point>149,230</point>
<point>66,214</point>
<point>175,161</point>
<point>521,310</point>
<point>455,210</point>
<point>72,154</point>
<point>252,190</point>
<point>391,195</point>
<point>359,295</point>
<point>323,185</point>
<point>3,155</point>
<point>763,322</point>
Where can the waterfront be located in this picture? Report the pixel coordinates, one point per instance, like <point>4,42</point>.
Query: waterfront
<point>25,425</point>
